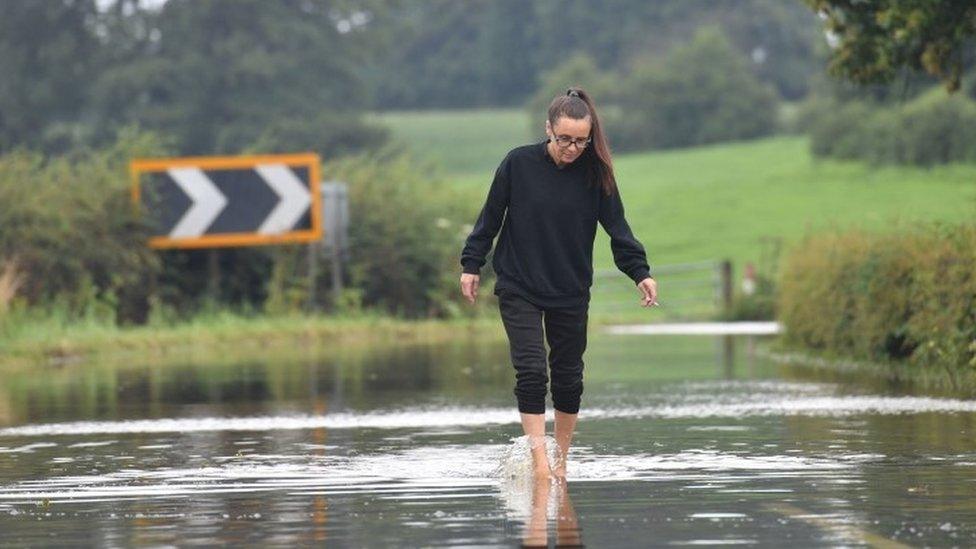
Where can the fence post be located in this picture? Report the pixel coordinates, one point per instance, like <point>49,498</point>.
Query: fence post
<point>726,285</point>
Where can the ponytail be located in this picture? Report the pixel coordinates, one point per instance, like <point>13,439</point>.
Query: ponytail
<point>577,104</point>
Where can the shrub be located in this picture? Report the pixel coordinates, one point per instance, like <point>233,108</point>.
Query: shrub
<point>404,236</point>
<point>932,129</point>
<point>834,129</point>
<point>578,70</point>
<point>908,295</point>
<point>71,230</point>
<point>702,92</point>
<point>938,130</point>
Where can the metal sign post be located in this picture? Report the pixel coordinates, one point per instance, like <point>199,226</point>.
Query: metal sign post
<point>335,218</point>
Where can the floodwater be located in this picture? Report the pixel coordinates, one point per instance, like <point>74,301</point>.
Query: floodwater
<point>682,440</point>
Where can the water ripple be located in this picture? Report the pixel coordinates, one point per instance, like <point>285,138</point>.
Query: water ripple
<point>452,469</point>
<point>732,406</point>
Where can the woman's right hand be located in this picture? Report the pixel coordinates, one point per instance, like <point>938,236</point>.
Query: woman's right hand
<point>469,286</point>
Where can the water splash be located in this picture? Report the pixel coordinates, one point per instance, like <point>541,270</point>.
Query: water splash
<point>517,485</point>
<point>516,466</point>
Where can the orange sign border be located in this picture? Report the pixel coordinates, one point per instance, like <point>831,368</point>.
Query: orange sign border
<point>141,166</point>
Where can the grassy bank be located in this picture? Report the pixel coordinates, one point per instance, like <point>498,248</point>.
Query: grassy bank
<point>52,342</point>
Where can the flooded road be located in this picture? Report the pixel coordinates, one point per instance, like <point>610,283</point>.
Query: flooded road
<point>682,440</point>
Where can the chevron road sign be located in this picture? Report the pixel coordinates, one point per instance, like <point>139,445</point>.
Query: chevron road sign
<point>221,201</point>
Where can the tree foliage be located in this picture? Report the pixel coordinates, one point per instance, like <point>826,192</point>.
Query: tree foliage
<point>876,39</point>
<point>701,93</point>
<point>226,76</point>
<point>46,57</point>
<point>494,53</point>
<point>217,76</point>
<point>697,93</point>
<point>70,228</point>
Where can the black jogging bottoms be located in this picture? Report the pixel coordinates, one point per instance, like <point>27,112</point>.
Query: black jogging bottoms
<point>564,328</point>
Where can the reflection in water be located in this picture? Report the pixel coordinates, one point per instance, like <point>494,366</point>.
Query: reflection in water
<point>536,503</point>
<point>551,503</point>
<point>419,446</point>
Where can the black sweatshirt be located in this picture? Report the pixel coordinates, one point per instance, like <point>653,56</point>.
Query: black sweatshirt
<point>545,251</point>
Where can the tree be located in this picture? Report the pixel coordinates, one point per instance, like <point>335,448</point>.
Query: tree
<point>578,70</point>
<point>701,92</point>
<point>876,39</point>
<point>46,53</point>
<point>491,53</point>
<point>223,76</point>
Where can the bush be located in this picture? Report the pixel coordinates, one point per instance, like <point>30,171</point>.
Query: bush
<point>938,130</point>
<point>909,295</point>
<point>578,70</point>
<point>834,130</point>
<point>703,92</point>
<point>405,234</point>
<point>932,129</point>
<point>70,229</point>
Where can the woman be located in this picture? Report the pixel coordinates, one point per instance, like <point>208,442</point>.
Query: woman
<point>551,195</point>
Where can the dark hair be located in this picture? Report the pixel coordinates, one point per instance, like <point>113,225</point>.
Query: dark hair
<point>577,104</point>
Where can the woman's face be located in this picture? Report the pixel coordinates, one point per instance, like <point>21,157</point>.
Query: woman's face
<point>576,129</point>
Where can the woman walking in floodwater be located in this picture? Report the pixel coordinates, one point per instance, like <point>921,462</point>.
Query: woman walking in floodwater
<point>554,193</point>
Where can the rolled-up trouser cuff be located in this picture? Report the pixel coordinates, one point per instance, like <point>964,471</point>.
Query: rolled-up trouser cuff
<point>567,389</point>
<point>567,406</point>
<point>527,407</point>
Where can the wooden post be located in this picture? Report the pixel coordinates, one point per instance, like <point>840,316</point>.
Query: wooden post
<point>726,285</point>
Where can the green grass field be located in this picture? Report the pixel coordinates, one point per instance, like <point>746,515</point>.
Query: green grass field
<point>710,202</point>
<point>464,142</point>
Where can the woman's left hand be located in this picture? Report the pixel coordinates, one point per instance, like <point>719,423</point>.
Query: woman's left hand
<point>648,290</point>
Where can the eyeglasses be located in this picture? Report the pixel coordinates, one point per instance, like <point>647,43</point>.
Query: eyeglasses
<point>565,141</point>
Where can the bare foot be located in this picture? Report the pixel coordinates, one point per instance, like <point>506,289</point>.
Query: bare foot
<point>559,472</point>
<point>559,467</point>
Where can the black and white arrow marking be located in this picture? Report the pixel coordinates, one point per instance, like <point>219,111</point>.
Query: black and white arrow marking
<point>232,200</point>
<point>294,198</point>
<point>207,200</point>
